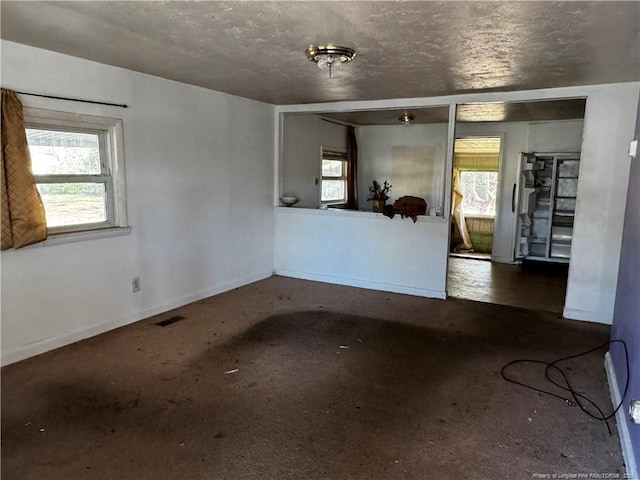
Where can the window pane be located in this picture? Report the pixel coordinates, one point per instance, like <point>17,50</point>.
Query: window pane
<point>73,203</point>
<point>71,153</point>
<point>333,190</point>
<point>331,168</point>
<point>479,190</point>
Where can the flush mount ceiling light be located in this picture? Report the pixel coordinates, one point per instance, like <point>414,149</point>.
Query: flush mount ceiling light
<point>330,56</point>
<point>406,119</point>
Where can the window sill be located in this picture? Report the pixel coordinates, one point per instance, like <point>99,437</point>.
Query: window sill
<point>72,237</point>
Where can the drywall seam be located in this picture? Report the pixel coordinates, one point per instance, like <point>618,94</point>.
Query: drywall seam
<point>42,346</point>
<point>623,430</point>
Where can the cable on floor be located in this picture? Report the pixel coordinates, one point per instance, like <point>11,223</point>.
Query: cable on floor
<point>575,398</point>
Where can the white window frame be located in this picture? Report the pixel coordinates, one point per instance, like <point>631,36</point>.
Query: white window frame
<point>340,155</point>
<point>112,174</point>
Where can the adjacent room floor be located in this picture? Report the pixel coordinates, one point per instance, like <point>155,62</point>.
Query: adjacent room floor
<point>289,379</point>
<point>537,285</point>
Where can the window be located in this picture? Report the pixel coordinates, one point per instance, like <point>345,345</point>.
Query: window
<point>479,190</point>
<point>78,168</point>
<point>334,177</point>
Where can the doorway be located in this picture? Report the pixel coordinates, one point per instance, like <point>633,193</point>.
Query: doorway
<point>507,244</point>
<point>475,190</point>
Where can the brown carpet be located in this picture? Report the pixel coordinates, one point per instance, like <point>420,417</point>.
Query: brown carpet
<point>416,395</point>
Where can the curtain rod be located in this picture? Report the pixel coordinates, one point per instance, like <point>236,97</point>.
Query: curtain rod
<point>121,105</point>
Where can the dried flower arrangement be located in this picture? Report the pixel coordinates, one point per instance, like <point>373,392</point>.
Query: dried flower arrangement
<point>379,192</point>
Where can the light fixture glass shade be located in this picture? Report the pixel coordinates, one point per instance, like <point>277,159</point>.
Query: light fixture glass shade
<point>406,119</point>
<point>329,61</point>
<point>324,61</point>
<point>330,56</point>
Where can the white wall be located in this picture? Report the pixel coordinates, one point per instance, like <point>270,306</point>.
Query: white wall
<point>518,137</point>
<point>602,191</point>
<point>555,137</point>
<point>194,232</point>
<point>303,139</point>
<point>408,174</point>
<point>608,129</point>
<point>362,249</point>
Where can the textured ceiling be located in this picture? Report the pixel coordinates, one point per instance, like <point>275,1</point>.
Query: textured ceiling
<point>405,49</point>
<point>521,111</point>
<point>477,145</point>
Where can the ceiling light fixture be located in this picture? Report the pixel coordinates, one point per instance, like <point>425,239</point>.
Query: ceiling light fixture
<point>330,56</point>
<point>406,119</point>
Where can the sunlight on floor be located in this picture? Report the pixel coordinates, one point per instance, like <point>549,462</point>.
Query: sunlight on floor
<point>538,286</point>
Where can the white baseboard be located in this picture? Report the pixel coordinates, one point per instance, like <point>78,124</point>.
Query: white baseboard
<point>588,315</point>
<point>352,282</point>
<point>36,348</point>
<point>621,421</point>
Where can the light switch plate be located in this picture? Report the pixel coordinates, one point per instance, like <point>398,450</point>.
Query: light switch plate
<point>633,148</point>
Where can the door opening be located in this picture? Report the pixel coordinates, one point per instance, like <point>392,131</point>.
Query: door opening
<point>475,191</point>
<point>514,190</point>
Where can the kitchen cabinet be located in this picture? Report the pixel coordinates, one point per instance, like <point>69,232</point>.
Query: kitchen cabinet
<point>545,201</point>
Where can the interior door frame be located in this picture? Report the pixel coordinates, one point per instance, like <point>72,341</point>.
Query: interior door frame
<point>501,136</point>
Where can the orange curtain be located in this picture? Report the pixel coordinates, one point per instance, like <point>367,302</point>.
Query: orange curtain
<point>23,217</point>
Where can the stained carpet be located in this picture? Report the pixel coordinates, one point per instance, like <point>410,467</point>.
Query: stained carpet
<point>289,379</point>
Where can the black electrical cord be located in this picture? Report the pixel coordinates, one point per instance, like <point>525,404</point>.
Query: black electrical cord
<point>578,398</point>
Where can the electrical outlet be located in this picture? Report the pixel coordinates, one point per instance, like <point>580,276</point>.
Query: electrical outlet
<point>135,284</point>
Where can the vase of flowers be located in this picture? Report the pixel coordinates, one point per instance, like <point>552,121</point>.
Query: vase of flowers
<point>378,195</point>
